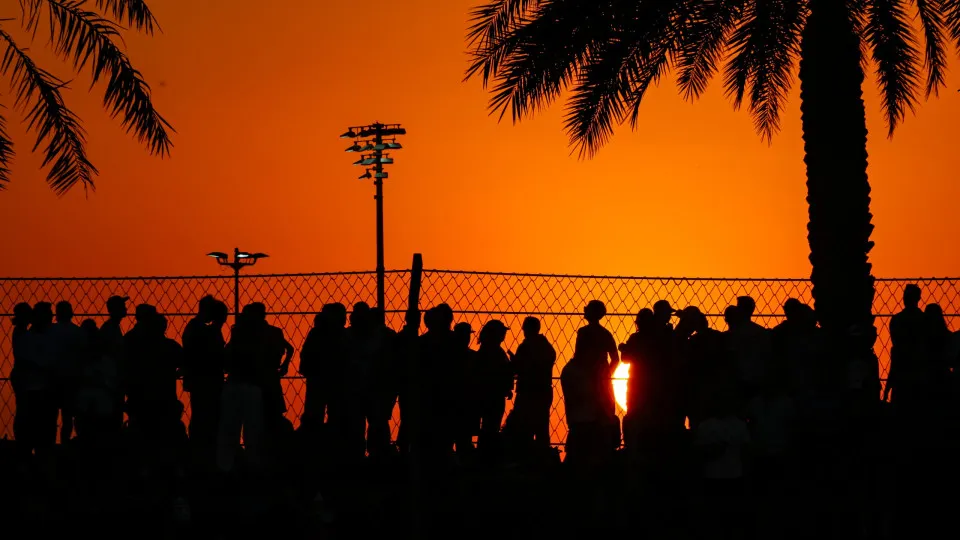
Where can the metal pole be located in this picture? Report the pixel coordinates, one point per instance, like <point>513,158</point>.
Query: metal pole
<point>236,284</point>
<point>378,181</point>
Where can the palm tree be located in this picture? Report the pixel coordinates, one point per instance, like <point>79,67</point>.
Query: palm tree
<point>607,53</point>
<point>89,41</point>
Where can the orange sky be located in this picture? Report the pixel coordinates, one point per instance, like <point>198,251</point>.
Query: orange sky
<point>260,91</point>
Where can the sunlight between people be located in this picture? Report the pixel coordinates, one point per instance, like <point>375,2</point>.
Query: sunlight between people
<point>620,377</point>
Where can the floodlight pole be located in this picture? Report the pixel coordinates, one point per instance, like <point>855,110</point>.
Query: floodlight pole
<point>375,133</point>
<point>236,282</point>
<point>240,259</point>
<point>378,182</point>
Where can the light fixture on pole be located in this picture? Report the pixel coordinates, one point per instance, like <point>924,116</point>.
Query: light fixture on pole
<point>240,260</point>
<point>377,138</point>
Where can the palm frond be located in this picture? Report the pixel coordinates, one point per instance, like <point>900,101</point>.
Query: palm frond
<point>598,102</point>
<point>706,35</point>
<point>489,22</point>
<point>764,48</point>
<point>894,51</point>
<point>951,19</point>
<point>539,65</point>
<point>932,22</point>
<point>38,97</point>
<point>79,35</point>
<point>135,13</point>
<point>6,154</point>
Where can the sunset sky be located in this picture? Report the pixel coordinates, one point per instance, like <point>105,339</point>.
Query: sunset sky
<point>259,92</point>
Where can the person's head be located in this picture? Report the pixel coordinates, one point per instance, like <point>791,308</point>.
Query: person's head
<point>360,317</point>
<point>746,306</point>
<point>64,312</point>
<point>493,333</point>
<point>255,312</point>
<point>691,320</point>
<point>933,314</point>
<point>645,320</point>
<point>463,333</point>
<point>530,327</point>
<point>117,306</point>
<point>218,313</point>
<point>145,314</point>
<point>205,308</point>
<point>662,312</point>
<point>22,314</point>
<point>444,314</point>
<point>89,327</point>
<point>430,319</point>
<point>793,310</point>
<point>731,316</point>
<point>594,311</point>
<point>42,315</point>
<point>911,295</point>
<point>334,314</point>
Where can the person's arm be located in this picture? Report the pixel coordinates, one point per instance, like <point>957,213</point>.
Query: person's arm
<point>288,356</point>
<point>614,354</point>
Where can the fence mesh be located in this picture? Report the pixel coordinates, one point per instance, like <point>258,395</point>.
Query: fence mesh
<point>476,297</point>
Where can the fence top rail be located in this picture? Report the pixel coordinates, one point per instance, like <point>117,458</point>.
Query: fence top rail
<point>667,278</point>
<point>455,272</point>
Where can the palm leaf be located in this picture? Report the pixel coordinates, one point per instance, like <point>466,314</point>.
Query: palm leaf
<point>491,21</point>
<point>38,97</point>
<point>889,35</point>
<point>79,35</point>
<point>765,46</point>
<point>931,16</point>
<point>6,154</point>
<point>135,13</point>
<point>706,35</point>
<point>539,66</point>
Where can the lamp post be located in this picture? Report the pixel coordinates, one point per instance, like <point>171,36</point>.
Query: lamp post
<point>374,142</point>
<point>240,260</point>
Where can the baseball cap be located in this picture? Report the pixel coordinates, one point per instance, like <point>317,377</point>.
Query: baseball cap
<point>117,300</point>
<point>663,306</point>
<point>463,327</point>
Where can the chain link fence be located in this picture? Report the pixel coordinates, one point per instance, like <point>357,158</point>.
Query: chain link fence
<point>476,297</point>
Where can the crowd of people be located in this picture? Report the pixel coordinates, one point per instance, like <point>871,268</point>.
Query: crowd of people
<point>746,409</point>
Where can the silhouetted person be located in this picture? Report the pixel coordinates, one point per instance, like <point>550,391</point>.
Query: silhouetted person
<point>465,415</point>
<point>750,344</point>
<point>436,351</point>
<point>68,344</point>
<point>904,382</point>
<point>409,390</point>
<point>594,346</point>
<point>494,386</point>
<point>113,351</point>
<point>36,385</point>
<point>96,390</point>
<point>203,349</point>
<point>322,361</point>
<point>141,346</point>
<point>382,384</point>
<point>251,366</point>
<point>280,352</point>
<point>528,426</point>
<point>638,351</point>
<point>707,363</point>
<point>23,370</point>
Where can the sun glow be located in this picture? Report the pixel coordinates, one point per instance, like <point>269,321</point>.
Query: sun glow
<point>620,377</point>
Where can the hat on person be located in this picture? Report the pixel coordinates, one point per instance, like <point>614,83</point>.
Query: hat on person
<point>663,306</point>
<point>463,327</point>
<point>118,301</point>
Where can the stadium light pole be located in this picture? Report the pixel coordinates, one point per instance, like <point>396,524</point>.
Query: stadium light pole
<point>373,142</point>
<point>240,260</point>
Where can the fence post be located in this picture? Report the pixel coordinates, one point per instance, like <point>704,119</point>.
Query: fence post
<point>416,470</point>
<point>416,275</point>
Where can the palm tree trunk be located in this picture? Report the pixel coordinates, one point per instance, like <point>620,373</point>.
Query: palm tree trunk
<point>838,193</point>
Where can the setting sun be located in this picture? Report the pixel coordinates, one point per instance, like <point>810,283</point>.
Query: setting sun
<point>620,377</point>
